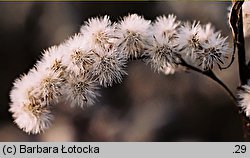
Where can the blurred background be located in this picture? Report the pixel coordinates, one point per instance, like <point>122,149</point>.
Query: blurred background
<point>147,106</point>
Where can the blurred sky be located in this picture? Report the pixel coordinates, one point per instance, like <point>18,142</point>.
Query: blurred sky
<point>147,106</point>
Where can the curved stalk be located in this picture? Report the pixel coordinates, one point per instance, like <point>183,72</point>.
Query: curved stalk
<point>210,74</point>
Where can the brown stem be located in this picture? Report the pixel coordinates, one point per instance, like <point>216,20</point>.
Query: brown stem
<point>210,74</point>
<point>240,43</point>
<point>236,23</point>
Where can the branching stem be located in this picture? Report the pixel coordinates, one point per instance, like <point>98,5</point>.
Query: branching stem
<point>211,75</point>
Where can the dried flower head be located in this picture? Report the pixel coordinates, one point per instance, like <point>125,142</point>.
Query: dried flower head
<point>214,48</point>
<point>77,58</point>
<point>165,27</point>
<point>30,110</point>
<point>244,99</point>
<point>205,32</point>
<point>188,39</point>
<point>51,59</point>
<point>33,94</point>
<point>132,34</point>
<point>163,53</point>
<point>109,67</point>
<point>81,90</point>
<point>164,50</point>
<point>99,33</point>
<point>31,118</point>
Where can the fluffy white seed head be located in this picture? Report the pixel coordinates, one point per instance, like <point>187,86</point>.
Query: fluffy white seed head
<point>20,89</point>
<point>51,59</point>
<point>244,99</point>
<point>132,33</point>
<point>33,94</point>
<point>78,57</point>
<point>28,105</point>
<point>51,84</point>
<point>109,67</point>
<point>49,75</point>
<point>99,33</point>
<point>44,86</point>
<point>163,50</point>
<point>80,90</point>
<point>214,48</point>
<point>205,32</point>
<point>188,39</point>
<point>31,118</point>
<point>163,55</point>
<point>165,27</point>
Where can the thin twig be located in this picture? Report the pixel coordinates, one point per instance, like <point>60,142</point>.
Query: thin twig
<point>232,58</point>
<point>208,73</point>
<point>211,75</point>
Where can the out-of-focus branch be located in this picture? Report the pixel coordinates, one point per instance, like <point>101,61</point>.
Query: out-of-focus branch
<point>236,22</point>
<point>233,20</point>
